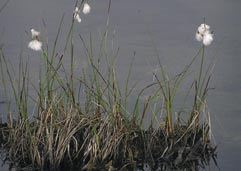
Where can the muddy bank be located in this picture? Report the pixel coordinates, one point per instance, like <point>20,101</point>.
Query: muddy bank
<point>116,148</point>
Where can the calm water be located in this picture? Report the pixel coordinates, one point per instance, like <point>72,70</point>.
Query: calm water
<point>172,25</point>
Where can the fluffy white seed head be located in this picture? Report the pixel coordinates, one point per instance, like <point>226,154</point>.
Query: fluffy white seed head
<point>76,10</point>
<point>207,39</point>
<point>86,8</point>
<point>204,35</point>
<point>77,14</point>
<point>203,27</point>
<point>199,37</point>
<point>35,45</point>
<point>35,33</point>
<point>77,18</point>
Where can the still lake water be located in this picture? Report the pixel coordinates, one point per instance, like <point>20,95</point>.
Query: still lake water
<point>172,26</point>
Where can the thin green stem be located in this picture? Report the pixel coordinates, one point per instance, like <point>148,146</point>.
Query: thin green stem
<point>201,68</point>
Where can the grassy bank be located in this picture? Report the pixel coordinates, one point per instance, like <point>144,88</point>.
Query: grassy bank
<point>81,119</point>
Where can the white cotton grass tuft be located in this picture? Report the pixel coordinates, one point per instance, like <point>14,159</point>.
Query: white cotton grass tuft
<point>199,37</point>
<point>77,14</point>
<point>204,34</point>
<point>35,44</point>
<point>77,18</point>
<point>35,33</point>
<point>86,8</point>
<point>203,27</point>
<point>207,39</point>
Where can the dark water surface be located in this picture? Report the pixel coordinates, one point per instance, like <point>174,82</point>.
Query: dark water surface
<point>133,23</point>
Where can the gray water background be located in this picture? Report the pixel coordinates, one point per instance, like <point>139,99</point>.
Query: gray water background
<point>172,25</point>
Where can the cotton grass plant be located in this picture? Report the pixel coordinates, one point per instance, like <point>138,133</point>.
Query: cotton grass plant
<point>87,125</point>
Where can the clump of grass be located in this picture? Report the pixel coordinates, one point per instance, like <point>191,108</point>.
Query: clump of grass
<point>88,126</point>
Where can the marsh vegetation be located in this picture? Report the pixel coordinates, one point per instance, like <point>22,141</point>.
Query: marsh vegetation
<point>81,120</point>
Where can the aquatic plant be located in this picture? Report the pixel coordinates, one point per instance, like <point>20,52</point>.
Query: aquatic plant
<point>82,120</point>
<point>35,44</point>
<point>204,34</point>
<point>77,14</point>
<point>85,9</point>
